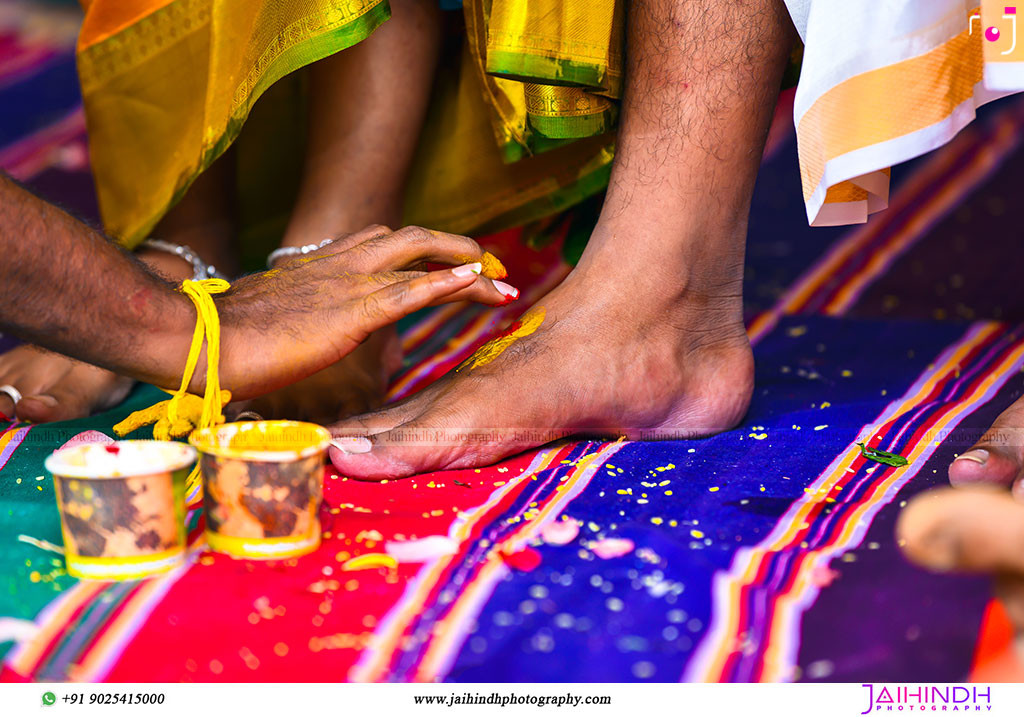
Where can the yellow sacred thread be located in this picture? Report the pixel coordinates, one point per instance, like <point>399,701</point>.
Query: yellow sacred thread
<point>185,412</point>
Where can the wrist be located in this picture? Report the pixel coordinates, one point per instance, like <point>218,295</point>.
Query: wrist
<point>165,349</point>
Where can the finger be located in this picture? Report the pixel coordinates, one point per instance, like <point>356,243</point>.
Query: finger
<point>484,291</point>
<point>975,530</point>
<point>333,245</point>
<point>998,457</point>
<point>386,306</point>
<point>344,242</point>
<point>410,246</point>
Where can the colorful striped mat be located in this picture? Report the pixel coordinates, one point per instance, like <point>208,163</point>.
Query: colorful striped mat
<point>762,554</point>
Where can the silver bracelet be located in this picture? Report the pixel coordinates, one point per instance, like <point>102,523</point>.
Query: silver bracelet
<point>295,251</point>
<point>200,269</point>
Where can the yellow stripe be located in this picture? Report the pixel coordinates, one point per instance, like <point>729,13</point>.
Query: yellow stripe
<point>418,333</point>
<point>772,656</point>
<point>458,344</point>
<point>946,197</point>
<point>890,102</point>
<point>7,437</point>
<point>290,546</point>
<point>384,646</point>
<point>108,640</point>
<point>85,669</point>
<point>821,489</point>
<point>76,596</point>
<point>444,631</point>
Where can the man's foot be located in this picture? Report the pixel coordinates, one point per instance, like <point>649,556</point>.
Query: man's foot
<point>597,364</point>
<point>56,388</point>
<point>645,338</point>
<point>998,458</point>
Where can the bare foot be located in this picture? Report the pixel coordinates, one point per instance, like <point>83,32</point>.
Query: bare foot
<point>586,360</point>
<point>998,458</point>
<point>56,388</point>
<point>645,337</point>
<point>355,384</point>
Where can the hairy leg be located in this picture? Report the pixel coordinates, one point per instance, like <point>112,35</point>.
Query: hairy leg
<point>658,289</point>
<point>58,388</point>
<point>367,106</point>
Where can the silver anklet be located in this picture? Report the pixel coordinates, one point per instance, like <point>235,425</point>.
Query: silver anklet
<point>200,269</point>
<point>295,251</point>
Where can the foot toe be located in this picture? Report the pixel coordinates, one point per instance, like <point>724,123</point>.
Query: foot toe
<point>984,465</point>
<point>40,408</point>
<point>998,458</point>
<point>77,394</point>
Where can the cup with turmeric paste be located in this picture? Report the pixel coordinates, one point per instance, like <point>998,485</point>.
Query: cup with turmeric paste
<point>262,485</point>
<point>122,507</point>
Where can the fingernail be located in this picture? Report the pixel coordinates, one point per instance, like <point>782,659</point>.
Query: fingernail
<point>44,399</point>
<point>506,289</point>
<point>467,269</point>
<point>352,444</point>
<point>978,455</point>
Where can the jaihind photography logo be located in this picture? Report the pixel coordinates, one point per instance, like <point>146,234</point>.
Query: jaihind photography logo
<point>993,33</point>
<point>927,698</point>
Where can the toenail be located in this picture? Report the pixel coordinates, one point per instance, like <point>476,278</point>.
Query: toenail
<point>44,399</point>
<point>978,455</point>
<point>506,289</point>
<point>352,444</point>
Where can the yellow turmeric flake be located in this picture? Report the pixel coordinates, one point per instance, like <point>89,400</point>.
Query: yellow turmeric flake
<point>490,265</point>
<point>370,560</point>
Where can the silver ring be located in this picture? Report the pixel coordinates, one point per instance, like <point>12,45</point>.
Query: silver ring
<point>248,416</point>
<point>12,392</point>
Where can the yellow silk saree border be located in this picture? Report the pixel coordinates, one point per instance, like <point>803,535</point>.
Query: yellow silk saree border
<point>543,90</point>
<point>330,28</point>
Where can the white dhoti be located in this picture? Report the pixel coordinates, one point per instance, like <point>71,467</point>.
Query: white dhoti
<point>884,81</point>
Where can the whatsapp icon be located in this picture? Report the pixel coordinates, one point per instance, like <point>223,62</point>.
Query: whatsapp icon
<point>49,698</point>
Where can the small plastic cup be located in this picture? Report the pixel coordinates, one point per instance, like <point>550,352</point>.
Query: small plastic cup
<point>262,485</point>
<point>122,507</point>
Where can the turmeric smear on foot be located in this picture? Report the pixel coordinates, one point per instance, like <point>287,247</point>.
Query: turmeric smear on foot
<point>494,348</point>
<point>490,265</point>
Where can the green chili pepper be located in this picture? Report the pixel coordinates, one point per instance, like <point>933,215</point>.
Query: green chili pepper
<point>889,459</point>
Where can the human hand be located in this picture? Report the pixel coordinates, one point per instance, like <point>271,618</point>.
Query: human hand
<point>285,324</point>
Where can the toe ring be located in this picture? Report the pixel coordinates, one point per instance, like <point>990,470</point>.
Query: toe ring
<point>13,393</point>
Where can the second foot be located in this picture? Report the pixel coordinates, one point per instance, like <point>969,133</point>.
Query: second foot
<point>355,384</point>
<point>57,388</point>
